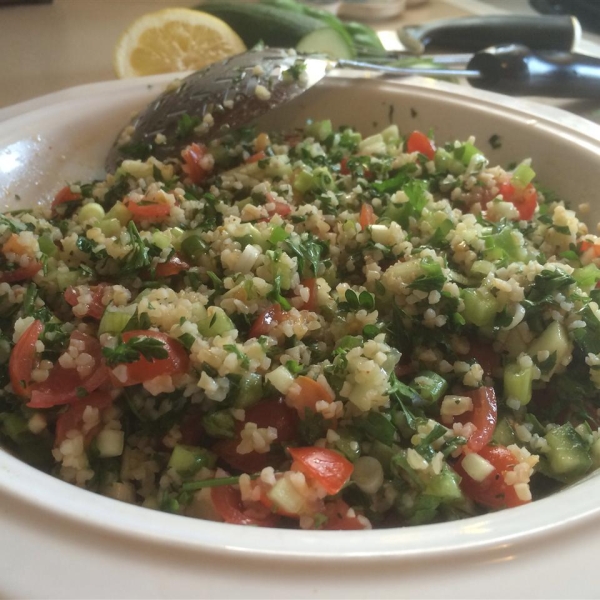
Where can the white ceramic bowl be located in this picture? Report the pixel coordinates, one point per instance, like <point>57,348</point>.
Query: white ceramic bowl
<point>65,542</point>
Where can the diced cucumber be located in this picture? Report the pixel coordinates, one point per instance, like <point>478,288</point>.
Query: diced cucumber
<point>286,497</point>
<point>505,245</point>
<point>115,318</point>
<point>467,152</point>
<point>192,246</point>
<point>586,277</point>
<point>391,135</point>
<point>517,382</point>
<point>303,182</point>
<point>323,179</point>
<point>430,386</point>
<point>14,426</point>
<point>190,459</point>
<point>320,130</point>
<point>482,267</point>
<point>349,447</point>
<point>110,227</point>
<point>92,211</point>
<point>120,212</point>
<point>553,339</point>
<point>327,41</point>
<point>161,239</point>
<point>47,245</point>
<point>445,485</point>
<point>504,434</point>
<point>480,307</point>
<point>65,279</point>
<point>384,455</point>
<point>447,163</point>
<point>568,456</point>
<point>368,474</point>
<point>523,175</point>
<point>219,424</point>
<point>216,322</point>
<point>250,390</point>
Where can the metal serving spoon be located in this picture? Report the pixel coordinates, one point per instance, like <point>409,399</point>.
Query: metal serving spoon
<point>232,93</point>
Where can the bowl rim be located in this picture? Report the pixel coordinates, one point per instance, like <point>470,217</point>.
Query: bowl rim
<point>83,509</point>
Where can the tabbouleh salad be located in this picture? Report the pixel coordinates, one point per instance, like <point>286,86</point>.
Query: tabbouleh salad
<point>311,329</point>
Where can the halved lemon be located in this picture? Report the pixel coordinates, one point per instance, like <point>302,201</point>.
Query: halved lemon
<point>174,39</point>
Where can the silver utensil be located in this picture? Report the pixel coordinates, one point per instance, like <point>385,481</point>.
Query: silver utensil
<point>234,92</point>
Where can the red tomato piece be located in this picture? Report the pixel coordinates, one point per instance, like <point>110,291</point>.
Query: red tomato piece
<point>228,503</point>
<point>20,273</point>
<point>306,393</point>
<point>22,359</point>
<point>344,170</point>
<point>143,370</point>
<point>281,208</point>
<point>367,216</point>
<point>72,418</point>
<point>65,195</point>
<point>273,413</point>
<point>492,491</point>
<point>419,142</point>
<point>95,307</point>
<point>338,519</point>
<point>524,198</point>
<point>485,355</point>
<point>311,304</point>
<point>256,157</point>
<point>253,462</point>
<point>173,266</point>
<point>63,385</point>
<point>270,413</point>
<point>193,157</point>
<point>484,416</point>
<point>528,202</point>
<point>270,317</point>
<point>148,212</point>
<point>327,467</point>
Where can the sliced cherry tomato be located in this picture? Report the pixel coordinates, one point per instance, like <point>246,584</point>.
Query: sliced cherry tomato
<point>273,413</point>
<point>173,266</point>
<point>492,491</point>
<point>585,245</point>
<point>192,157</point>
<point>367,216</point>
<point>281,208</point>
<point>64,195</point>
<point>269,318</point>
<point>524,198</point>
<point>72,418</point>
<point>419,142</point>
<point>270,413</point>
<point>256,157</point>
<point>64,386</point>
<point>327,467</point>
<point>192,429</point>
<point>311,304</point>
<point>485,355</point>
<point>228,503</point>
<point>22,359</point>
<point>305,394</point>
<point>95,308</point>
<point>148,212</point>
<point>338,519</point>
<point>143,370</point>
<point>484,416</point>
<point>20,273</point>
<point>253,462</point>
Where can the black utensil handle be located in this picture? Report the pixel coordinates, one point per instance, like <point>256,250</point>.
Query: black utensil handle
<point>470,34</point>
<point>517,71</point>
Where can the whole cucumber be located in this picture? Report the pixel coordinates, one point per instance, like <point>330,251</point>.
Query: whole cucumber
<point>256,23</point>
